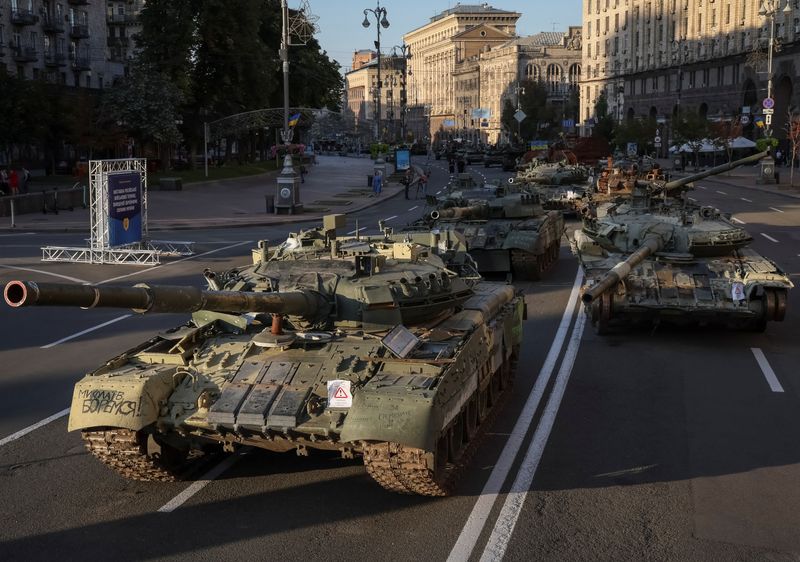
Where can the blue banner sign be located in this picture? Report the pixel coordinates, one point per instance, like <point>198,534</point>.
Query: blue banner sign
<point>124,208</point>
<point>402,159</point>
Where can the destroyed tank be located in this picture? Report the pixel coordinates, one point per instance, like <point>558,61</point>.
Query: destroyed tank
<point>376,350</point>
<point>657,258</point>
<point>504,232</point>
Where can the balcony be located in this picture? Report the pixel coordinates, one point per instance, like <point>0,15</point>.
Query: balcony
<point>23,17</point>
<point>79,31</point>
<point>79,63</point>
<point>25,54</point>
<point>54,59</point>
<point>78,2</point>
<point>122,19</point>
<point>51,24</point>
<point>118,41</point>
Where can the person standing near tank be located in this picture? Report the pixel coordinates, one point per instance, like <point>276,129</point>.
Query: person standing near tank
<point>377,182</point>
<point>13,182</point>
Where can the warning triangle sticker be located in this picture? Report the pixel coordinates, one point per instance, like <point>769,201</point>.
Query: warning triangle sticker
<point>341,393</point>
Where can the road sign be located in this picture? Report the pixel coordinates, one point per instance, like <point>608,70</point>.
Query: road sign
<point>745,119</point>
<point>768,111</point>
<point>520,116</point>
<point>657,144</point>
<point>768,103</point>
<point>768,119</point>
<point>657,140</point>
<point>568,123</point>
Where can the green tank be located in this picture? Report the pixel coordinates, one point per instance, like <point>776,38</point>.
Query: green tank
<point>375,349</point>
<point>655,258</point>
<point>504,232</point>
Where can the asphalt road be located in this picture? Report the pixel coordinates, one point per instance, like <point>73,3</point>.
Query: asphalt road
<point>652,445</point>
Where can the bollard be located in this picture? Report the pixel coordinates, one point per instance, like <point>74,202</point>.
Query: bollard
<point>270,204</point>
<point>13,223</point>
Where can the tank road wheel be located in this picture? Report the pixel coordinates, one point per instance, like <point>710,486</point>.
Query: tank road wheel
<point>780,305</point>
<point>526,266</point>
<point>378,459</point>
<point>456,436</point>
<point>137,454</point>
<point>602,312</point>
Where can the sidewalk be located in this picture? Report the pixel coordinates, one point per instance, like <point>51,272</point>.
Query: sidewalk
<point>334,185</point>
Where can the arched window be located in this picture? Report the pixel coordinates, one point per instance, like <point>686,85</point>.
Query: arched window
<point>574,75</point>
<point>554,75</point>
<point>532,72</point>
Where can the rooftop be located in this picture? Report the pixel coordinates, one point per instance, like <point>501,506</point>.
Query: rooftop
<point>460,8</point>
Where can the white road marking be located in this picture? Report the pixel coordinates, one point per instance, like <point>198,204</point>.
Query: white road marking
<point>777,210</point>
<point>390,218</point>
<point>438,192</point>
<point>507,520</point>
<point>17,234</point>
<point>701,187</point>
<point>198,485</point>
<point>34,427</point>
<point>465,544</point>
<point>67,277</point>
<point>358,230</point>
<point>692,199</point>
<point>768,237</point>
<point>745,199</point>
<point>413,208</point>
<point>738,221</point>
<point>721,192</point>
<point>769,374</point>
<point>86,331</point>
<point>139,272</point>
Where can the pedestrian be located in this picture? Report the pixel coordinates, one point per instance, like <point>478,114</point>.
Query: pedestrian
<point>422,185</point>
<point>13,182</point>
<point>460,164</point>
<point>3,181</point>
<point>303,173</point>
<point>25,178</point>
<point>779,157</point>
<point>452,165</point>
<point>377,182</point>
<point>407,181</point>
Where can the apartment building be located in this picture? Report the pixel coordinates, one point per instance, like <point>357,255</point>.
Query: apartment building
<point>361,92</point>
<point>653,57</point>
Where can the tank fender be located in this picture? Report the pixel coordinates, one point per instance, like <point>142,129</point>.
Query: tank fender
<point>127,401</point>
<point>526,240</point>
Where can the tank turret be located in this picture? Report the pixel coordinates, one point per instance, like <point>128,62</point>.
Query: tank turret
<point>622,269</point>
<point>468,212</point>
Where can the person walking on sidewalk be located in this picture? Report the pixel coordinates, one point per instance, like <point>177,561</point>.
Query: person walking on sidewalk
<point>13,182</point>
<point>4,182</point>
<point>377,182</point>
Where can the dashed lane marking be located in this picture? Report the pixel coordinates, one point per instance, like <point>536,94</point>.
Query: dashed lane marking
<point>390,218</point>
<point>701,187</point>
<point>745,199</point>
<point>737,221</point>
<point>721,192</point>
<point>198,485</point>
<point>768,237</point>
<point>34,427</point>
<point>86,331</point>
<point>413,208</point>
<point>777,210</point>
<point>358,230</point>
<point>692,199</point>
<point>769,374</point>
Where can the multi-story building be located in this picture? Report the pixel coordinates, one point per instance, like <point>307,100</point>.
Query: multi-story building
<point>64,41</point>
<point>440,55</point>
<point>552,58</point>
<point>122,20</point>
<point>652,58</point>
<point>361,92</point>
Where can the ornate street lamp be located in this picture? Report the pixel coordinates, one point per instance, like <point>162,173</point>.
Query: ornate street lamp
<point>380,22</point>
<point>769,9</point>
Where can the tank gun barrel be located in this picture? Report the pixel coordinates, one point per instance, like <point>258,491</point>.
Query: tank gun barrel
<point>620,271</point>
<point>160,298</point>
<point>469,212</point>
<point>675,184</point>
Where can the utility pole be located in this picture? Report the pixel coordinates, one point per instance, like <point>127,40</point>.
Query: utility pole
<point>284,54</point>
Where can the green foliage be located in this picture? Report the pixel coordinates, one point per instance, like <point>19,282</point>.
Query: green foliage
<point>601,106</point>
<point>378,148</point>
<point>691,128</point>
<point>764,143</point>
<point>640,131</point>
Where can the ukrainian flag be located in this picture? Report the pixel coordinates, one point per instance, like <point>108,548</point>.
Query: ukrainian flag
<point>293,119</point>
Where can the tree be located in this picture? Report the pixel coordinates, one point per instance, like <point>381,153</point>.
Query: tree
<point>639,131</point>
<point>604,127</point>
<point>793,136</point>
<point>723,133</point>
<point>692,129</point>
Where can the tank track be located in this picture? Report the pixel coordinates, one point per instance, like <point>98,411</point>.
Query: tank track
<point>126,452</point>
<point>525,265</point>
<point>405,470</point>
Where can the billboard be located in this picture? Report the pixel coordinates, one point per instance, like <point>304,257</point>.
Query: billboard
<point>481,113</point>
<point>402,159</point>
<point>124,208</point>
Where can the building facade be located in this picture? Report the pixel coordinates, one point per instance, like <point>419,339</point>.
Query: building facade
<point>71,42</point>
<point>652,58</point>
<point>440,53</point>
<point>361,93</point>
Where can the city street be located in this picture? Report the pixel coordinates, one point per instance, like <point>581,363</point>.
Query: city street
<point>659,444</point>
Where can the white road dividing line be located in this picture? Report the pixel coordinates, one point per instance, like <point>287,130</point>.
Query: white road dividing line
<point>721,192</point>
<point>413,208</point>
<point>147,270</point>
<point>769,374</point>
<point>701,187</point>
<point>507,520</point>
<point>746,199</point>
<point>34,427</point>
<point>67,277</point>
<point>692,199</point>
<point>358,230</point>
<point>768,237</point>
<point>198,485</point>
<point>738,221</point>
<point>86,331</point>
<point>777,210</point>
<point>465,544</point>
<point>438,192</point>
<point>390,218</point>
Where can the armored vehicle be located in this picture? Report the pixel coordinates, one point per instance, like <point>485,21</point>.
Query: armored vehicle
<point>504,232</point>
<point>376,349</point>
<point>665,259</point>
<point>553,173</point>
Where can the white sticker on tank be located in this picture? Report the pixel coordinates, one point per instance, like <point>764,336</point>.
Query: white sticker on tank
<point>737,291</point>
<point>339,395</point>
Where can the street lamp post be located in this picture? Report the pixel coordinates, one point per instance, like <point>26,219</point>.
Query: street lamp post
<point>519,91</point>
<point>380,21</point>
<point>769,9</point>
<point>405,54</point>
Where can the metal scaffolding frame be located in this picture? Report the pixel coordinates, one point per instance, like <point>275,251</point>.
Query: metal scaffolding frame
<point>146,252</point>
